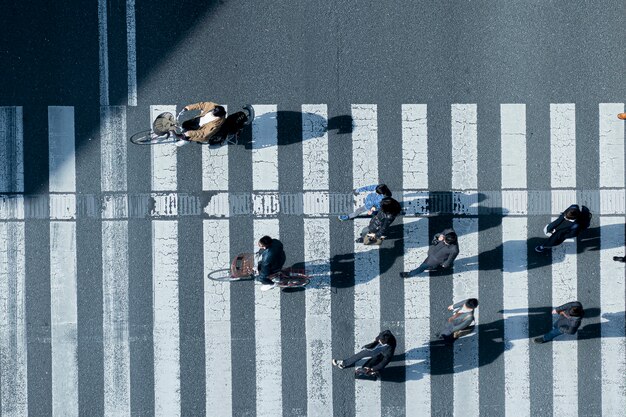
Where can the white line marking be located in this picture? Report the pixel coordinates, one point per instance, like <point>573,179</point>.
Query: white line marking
<point>466,374</point>
<point>513,137</point>
<point>166,320</point>
<point>364,145</point>
<point>13,346</point>
<point>103,52</point>
<point>113,149</point>
<point>163,156</point>
<point>62,149</point>
<point>415,145</point>
<point>464,146</point>
<point>264,147</point>
<point>366,317</point>
<point>611,135</point>
<point>132,52</point>
<point>563,145</point>
<point>564,347</point>
<point>318,323</point>
<point>515,302</point>
<point>314,147</point>
<point>11,150</point>
<point>63,319</point>
<point>269,374</point>
<point>417,320</point>
<point>219,401</point>
<point>612,301</point>
<point>215,168</point>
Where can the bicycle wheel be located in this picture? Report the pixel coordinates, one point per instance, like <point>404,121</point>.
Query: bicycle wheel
<point>222,275</point>
<point>148,138</point>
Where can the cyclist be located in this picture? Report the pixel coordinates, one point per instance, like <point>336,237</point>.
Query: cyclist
<point>272,260</point>
<point>205,126</point>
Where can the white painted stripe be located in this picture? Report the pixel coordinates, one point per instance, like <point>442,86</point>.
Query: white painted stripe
<point>215,167</point>
<point>63,319</point>
<point>103,52</point>
<point>315,147</point>
<point>11,150</point>
<point>611,135</point>
<point>466,394</point>
<point>565,347</point>
<point>513,138</point>
<point>113,148</point>
<point>563,145</point>
<point>132,52</point>
<point>366,317</point>
<point>62,150</point>
<point>269,398</point>
<point>562,199</point>
<point>464,146</point>
<point>166,321</point>
<point>612,301</point>
<point>416,320</point>
<point>219,401</point>
<point>265,147</point>
<point>364,145</point>
<point>415,146</point>
<point>13,347</point>
<point>515,301</point>
<point>318,314</point>
<point>115,344</point>
<point>163,156</point>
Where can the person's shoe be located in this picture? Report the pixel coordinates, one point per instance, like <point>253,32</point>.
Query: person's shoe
<point>267,287</point>
<point>539,340</point>
<point>338,363</point>
<point>404,275</point>
<point>359,240</point>
<point>343,217</point>
<point>539,249</point>
<point>619,259</point>
<point>181,142</point>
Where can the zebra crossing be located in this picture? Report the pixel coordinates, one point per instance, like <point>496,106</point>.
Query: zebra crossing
<point>193,346</point>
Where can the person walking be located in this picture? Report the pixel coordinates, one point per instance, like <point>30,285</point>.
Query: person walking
<point>272,260</point>
<point>372,201</point>
<point>462,318</point>
<point>442,252</point>
<point>569,224</point>
<point>568,322</point>
<point>378,226</point>
<point>379,352</point>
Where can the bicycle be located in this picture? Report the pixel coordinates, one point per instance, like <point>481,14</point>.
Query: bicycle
<point>242,268</point>
<point>237,121</point>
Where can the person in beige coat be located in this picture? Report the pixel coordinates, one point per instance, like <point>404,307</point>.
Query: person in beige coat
<point>207,125</point>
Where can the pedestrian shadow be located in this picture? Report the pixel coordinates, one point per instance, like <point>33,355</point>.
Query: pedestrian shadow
<point>291,128</point>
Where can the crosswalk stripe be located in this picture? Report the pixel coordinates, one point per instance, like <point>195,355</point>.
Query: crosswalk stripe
<point>63,264</point>
<point>317,261</point>
<point>464,146</point>
<point>415,146</point>
<point>264,148</point>
<point>166,330</point>
<point>562,155</point>
<point>515,258</point>
<point>13,354</point>
<point>116,347</point>
<point>215,169</point>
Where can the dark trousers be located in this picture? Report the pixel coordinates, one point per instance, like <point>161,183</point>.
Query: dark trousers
<point>423,267</point>
<point>365,353</point>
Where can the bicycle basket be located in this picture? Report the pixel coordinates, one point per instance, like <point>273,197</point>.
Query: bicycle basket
<point>164,123</point>
<point>242,265</point>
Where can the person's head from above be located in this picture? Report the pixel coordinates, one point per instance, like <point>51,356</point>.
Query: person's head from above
<point>575,311</point>
<point>450,238</point>
<point>385,337</point>
<point>390,206</point>
<point>471,303</point>
<point>265,242</point>
<point>572,213</point>
<point>219,111</point>
<point>383,190</point>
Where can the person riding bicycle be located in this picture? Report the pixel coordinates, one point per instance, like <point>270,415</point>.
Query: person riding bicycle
<point>272,260</point>
<point>206,126</point>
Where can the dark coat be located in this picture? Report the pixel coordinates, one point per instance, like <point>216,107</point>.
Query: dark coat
<point>272,259</point>
<point>441,254</point>
<point>380,223</point>
<point>383,357</point>
<point>567,323</point>
<point>563,228</point>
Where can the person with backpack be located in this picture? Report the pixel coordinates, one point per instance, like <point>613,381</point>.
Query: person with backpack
<point>443,250</point>
<point>379,224</point>
<point>207,122</point>
<point>379,352</point>
<point>372,201</point>
<point>570,317</point>
<point>569,224</point>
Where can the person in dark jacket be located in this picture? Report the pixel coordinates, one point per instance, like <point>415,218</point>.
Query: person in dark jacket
<point>461,319</point>
<point>569,224</point>
<point>376,230</point>
<point>442,252</point>
<point>568,322</point>
<point>379,352</point>
<point>371,205</point>
<point>272,260</point>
